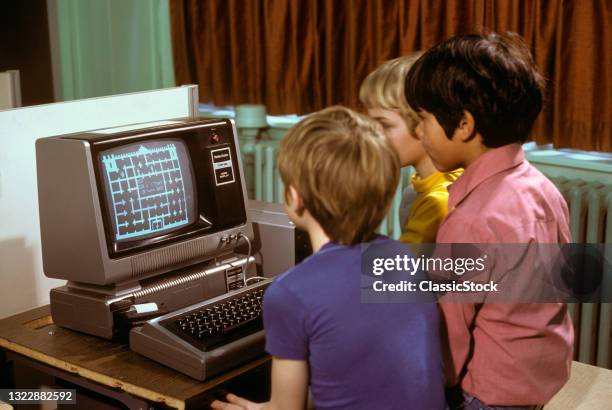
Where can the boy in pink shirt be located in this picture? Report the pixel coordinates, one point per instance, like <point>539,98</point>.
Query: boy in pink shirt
<point>478,97</point>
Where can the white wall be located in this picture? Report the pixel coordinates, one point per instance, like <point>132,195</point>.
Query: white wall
<point>22,282</point>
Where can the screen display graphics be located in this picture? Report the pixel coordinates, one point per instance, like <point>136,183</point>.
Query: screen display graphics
<point>149,188</point>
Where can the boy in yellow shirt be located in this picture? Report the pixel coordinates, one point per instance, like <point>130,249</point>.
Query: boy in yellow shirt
<point>382,94</point>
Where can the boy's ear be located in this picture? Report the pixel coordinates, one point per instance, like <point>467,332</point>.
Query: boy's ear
<point>466,130</point>
<point>418,131</point>
<point>295,201</point>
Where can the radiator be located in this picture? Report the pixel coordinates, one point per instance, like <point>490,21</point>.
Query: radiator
<point>590,205</point>
<point>588,202</point>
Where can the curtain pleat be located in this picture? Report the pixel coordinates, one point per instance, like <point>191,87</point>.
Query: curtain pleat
<point>298,56</point>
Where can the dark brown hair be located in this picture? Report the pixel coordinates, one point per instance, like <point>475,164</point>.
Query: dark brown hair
<point>344,169</point>
<point>492,76</point>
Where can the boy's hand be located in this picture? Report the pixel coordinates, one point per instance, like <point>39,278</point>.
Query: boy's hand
<point>289,389</point>
<point>235,403</point>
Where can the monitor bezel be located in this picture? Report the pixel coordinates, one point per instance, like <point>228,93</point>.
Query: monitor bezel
<point>201,226</point>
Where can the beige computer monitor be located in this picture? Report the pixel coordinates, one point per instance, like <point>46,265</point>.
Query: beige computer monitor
<point>20,246</point>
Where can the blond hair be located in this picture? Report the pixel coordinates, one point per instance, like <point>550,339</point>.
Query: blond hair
<point>344,169</point>
<point>384,88</point>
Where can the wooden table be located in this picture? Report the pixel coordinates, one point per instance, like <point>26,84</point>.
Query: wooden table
<point>116,371</point>
<point>104,366</point>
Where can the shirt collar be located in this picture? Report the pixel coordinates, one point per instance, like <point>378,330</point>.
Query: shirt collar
<point>427,183</point>
<point>437,178</point>
<point>488,164</point>
<point>331,245</point>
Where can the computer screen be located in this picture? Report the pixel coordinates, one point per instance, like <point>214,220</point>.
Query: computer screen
<point>139,201</point>
<point>148,188</point>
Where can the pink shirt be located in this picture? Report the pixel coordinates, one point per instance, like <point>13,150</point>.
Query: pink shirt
<point>506,354</point>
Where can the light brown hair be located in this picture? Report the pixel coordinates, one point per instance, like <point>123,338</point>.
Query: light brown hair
<point>384,88</point>
<point>344,169</point>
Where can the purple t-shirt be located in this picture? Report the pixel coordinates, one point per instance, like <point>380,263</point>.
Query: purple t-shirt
<point>361,355</point>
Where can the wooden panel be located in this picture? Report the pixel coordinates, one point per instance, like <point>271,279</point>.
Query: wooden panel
<point>34,335</point>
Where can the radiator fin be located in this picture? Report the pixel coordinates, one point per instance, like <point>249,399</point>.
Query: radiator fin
<point>590,222</point>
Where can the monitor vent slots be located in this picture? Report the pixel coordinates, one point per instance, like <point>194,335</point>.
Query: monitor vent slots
<point>152,261</point>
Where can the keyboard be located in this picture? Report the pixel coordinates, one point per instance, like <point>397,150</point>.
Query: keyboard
<point>214,324</point>
<point>209,337</point>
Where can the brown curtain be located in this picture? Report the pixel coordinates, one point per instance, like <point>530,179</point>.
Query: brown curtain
<point>298,56</point>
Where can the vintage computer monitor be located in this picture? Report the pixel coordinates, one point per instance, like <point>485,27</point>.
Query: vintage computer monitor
<point>144,216</point>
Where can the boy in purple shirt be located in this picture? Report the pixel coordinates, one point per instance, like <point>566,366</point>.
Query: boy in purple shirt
<point>478,97</point>
<point>341,175</point>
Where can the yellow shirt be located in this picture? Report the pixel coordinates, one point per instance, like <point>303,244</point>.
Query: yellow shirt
<point>429,208</point>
